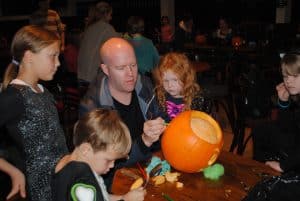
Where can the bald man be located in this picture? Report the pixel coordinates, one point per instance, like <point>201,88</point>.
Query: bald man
<point>123,89</point>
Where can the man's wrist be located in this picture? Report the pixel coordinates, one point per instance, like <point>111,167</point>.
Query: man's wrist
<point>146,141</point>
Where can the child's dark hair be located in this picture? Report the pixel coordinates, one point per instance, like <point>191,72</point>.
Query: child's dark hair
<point>32,38</point>
<point>164,18</point>
<point>39,17</point>
<point>187,17</point>
<point>135,24</point>
<point>98,12</point>
<point>103,128</point>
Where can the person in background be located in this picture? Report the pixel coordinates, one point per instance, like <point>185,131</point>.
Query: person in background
<point>224,32</point>
<point>97,32</point>
<point>146,53</point>
<point>49,19</point>
<point>91,18</point>
<point>176,87</point>
<point>166,34</point>
<point>28,113</point>
<point>277,143</point>
<point>123,89</point>
<point>100,138</point>
<point>185,32</point>
<point>166,30</point>
<point>278,140</point>
<point>72,50</point>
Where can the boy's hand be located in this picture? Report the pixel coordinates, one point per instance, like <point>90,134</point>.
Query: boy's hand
<point>135,195</point>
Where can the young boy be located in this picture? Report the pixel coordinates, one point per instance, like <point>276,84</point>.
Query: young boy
<point>100,137</point>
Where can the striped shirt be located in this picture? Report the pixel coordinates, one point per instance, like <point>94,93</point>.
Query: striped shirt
<point>54,23</point>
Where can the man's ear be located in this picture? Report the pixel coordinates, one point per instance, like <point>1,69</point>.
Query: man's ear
<point>104,68</point>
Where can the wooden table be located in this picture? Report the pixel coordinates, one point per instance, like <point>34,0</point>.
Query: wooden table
<point>240,174</point>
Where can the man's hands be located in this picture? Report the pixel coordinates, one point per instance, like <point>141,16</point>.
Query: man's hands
<point>153,130</point>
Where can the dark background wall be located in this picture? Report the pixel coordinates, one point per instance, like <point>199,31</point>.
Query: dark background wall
<point>236,11</point>
<point>254,16</point>
<point>205,15</point>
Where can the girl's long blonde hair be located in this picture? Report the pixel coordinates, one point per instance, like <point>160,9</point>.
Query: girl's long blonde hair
<point>32,38</point>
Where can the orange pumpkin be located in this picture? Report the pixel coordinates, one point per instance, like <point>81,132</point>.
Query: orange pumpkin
<point>236,41</point>
<point>200,39</point>
<point>192,141</point>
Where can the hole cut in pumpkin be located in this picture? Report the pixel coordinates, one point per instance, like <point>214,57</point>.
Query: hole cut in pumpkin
<point>204,130</point>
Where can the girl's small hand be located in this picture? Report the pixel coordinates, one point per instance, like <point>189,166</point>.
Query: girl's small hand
<point>275,165</point>
<point>282,92</point>
<point>135,195</point>
<point>18,184</point>
<point>152,130</point>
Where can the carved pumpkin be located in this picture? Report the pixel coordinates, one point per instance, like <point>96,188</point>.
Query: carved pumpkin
<point>236,41</point>
<point>192,141</point>
<point>200,39</point>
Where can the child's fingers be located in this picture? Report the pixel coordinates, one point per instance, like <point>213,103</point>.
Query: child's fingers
<point>280,85</point>
<point>141,190</point>
<point>13,192</point>
<point>17,189</point>
<point>23,191</point>
<point>138,193</point>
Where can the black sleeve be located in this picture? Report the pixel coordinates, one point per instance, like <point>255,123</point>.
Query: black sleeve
<point>73,178</point>
<point>11,106</point>
<point>202,103</point>
<point>87,186</point>
<point>11,110</point>
<point>292,162</point>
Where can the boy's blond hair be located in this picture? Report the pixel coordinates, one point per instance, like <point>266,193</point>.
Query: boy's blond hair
<point>103,128</point>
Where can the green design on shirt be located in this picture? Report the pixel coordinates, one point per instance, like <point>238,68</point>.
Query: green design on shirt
<point>83,192</point>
